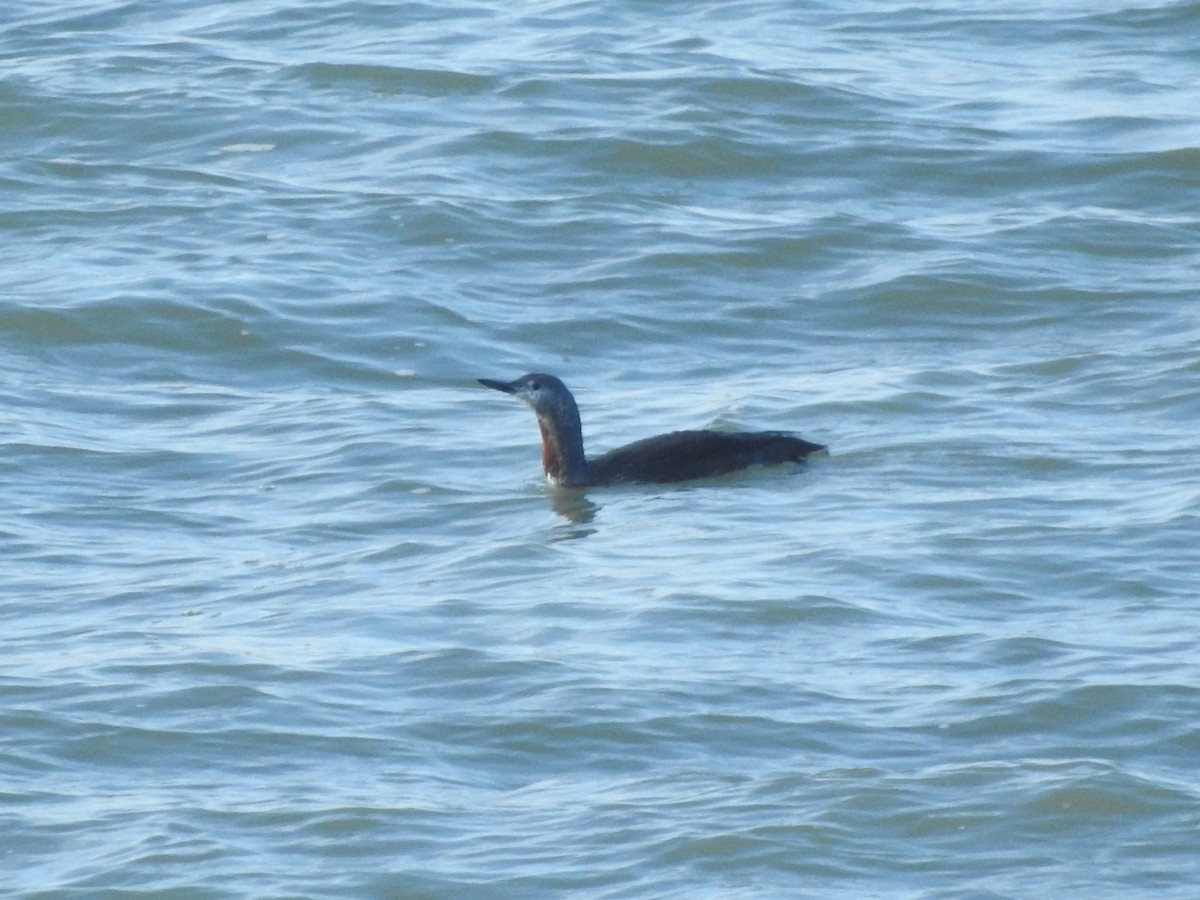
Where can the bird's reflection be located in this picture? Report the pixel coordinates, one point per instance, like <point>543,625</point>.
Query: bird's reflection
<point>574,506</point>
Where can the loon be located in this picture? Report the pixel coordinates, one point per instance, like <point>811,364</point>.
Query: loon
<point>677,456</point>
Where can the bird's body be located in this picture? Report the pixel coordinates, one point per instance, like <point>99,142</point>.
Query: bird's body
<point>677,456</point>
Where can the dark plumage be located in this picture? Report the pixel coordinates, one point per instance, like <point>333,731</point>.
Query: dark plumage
<point>677,456</point>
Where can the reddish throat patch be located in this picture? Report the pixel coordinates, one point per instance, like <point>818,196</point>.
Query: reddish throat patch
<point>550,461</point>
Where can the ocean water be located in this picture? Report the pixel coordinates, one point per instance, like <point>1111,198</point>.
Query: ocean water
<point>288,609</point>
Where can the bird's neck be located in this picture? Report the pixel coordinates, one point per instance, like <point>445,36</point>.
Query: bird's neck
<point>563,458</point>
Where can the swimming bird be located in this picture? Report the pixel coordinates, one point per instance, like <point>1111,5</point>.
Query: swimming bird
<point>677,456</point>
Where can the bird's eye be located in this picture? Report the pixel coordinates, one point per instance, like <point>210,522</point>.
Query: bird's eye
<point>536,385</point>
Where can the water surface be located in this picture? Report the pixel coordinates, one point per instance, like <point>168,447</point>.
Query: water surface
<point>290,611</point>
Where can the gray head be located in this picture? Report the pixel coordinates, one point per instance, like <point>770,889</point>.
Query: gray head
<point>542,392</point>
<point>558,419</point>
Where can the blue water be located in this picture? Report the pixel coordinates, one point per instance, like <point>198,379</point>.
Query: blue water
<point>289,609</point>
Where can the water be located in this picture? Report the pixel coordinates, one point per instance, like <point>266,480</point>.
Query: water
<point>289,611</point>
